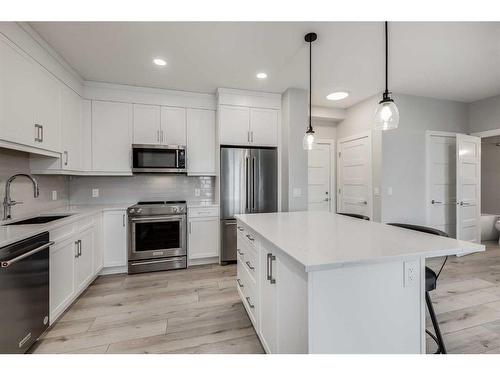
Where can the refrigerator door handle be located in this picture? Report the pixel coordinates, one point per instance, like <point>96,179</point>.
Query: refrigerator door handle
<point>253,184</point>
<point>247,184</point>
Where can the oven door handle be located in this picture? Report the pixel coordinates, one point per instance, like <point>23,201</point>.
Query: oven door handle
<point>149,219</point>
<point>10,262</point>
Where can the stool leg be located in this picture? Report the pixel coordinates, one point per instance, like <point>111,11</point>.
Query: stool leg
<point>440,342</point>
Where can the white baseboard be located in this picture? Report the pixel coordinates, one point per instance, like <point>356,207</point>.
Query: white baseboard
<point>113,270</point>
<point>201,261</point>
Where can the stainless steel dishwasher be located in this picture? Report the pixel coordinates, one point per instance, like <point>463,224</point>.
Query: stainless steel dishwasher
<point>24,292</point>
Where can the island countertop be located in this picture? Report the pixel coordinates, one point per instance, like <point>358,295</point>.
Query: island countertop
<point>324,240</point>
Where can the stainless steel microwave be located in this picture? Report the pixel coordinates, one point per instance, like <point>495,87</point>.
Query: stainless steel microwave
<point>158,159</point>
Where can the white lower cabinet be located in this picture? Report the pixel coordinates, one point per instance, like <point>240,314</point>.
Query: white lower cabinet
<point>268,301</point>
<point>203,233</point>
<point>115,238</point>
<point>72,266</point>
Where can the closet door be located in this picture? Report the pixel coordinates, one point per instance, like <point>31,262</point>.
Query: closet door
<point>468,156</point>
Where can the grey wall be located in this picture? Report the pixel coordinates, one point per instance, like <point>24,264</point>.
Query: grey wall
<point>141,187</point>
<point>490,178</point>
<point>294,107</point>
<point>403,154</point>
<point>12,162</point>
<point>484,115</point>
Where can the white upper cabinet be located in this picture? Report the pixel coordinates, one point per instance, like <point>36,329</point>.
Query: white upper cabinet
<point>147,128</point>
<point>234,125</point>
<point>173,126</point>
<point>29,101</point>
<point>71,129</point>
<point>263,127</point>
<point>248,126</point>
<point>200,142</point>
<point>111,137</point>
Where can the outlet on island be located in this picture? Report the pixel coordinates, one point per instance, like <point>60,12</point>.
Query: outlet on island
<point>95,193</point>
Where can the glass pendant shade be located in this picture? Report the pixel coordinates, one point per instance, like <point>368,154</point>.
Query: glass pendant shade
<point>386,116</point>
<point>308,140</point>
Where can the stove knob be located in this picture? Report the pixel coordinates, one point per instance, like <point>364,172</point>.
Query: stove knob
<point>138,210</point>
<point>175,209</point>
<point>131,211</point>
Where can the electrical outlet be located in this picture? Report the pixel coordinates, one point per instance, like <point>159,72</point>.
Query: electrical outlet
<point>54,195</point>
<point>411,273</point>
<point>197,192</point>
<point>95,193</point>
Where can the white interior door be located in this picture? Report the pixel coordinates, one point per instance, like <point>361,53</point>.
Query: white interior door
<point>319,177</point>
<point>468,205</point>
<point>441,182</point>
<point>355,175</point>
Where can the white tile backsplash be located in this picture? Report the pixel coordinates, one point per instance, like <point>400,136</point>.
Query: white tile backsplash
<point>141,187</point>
<point>13,162</point>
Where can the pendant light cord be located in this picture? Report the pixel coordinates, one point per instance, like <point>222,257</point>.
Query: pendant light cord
<point>386,60</point>
<point>310,86</point>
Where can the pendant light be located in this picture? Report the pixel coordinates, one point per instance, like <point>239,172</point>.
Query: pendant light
<point>308,141</point>
<point>387,114</point>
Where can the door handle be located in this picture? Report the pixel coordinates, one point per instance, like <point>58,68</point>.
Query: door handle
<point>270,258</point>
<point>240,284</point>
<point>250,303</point>
<point>240,229</point>
<point>66,158</point>
<point>253,181</point>
<point>123,220</point>
<point>250,265</point>
<point>7,263</point>
<point>250,238</point>
<point>465,204</point>
<point>41,133</point>
<point>436,202</point>
<point>240,252</point>
<point>77,250</point>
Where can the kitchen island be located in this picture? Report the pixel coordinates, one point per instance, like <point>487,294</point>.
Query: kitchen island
<point>317,282</point>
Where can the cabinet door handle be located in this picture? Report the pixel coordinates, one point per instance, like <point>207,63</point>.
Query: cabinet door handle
<point>240,229</point>
<point>123,220</point>
<point>250,238</point>
<point>240,284</point>
<point>270,258</point>
<point>41,131</point>
<point>38,137</point>
<point>250,265</point>
<point>77,250</point>
<point>250,303</point>
<point>240,252</point>
<point>66,157</point>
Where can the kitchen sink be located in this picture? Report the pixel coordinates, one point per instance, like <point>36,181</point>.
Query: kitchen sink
<point>39,219</point>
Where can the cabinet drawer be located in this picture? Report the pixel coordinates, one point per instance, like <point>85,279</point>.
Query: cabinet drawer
<point>62,233</point>
<point>203,211</point>
<point>247,290</point>
<point>248,235</point>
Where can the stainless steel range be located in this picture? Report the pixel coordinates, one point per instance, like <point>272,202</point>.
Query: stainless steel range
<point>157,236</point>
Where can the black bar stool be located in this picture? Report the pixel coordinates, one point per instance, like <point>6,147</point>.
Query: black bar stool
<point>430,284</point>
<point>356,216</point>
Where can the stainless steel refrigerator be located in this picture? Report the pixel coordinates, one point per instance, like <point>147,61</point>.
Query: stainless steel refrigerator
<point>248,184</point>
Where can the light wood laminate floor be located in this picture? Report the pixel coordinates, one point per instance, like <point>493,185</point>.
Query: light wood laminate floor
<point>198,311</point>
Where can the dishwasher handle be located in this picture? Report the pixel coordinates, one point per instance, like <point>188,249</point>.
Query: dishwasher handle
<point>10,262</point>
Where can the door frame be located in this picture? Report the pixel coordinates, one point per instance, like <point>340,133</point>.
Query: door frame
<point>367,134</point>
<point>428,135</point>
<point>332,203</point>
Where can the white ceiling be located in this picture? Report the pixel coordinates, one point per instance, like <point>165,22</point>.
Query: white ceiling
<point>449,60</point>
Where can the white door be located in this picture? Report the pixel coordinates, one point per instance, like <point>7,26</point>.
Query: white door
<point>263,127</point>
<point>203,237</point>
<point>84,265</point>
<point>268,301</point>
<point>115,238</point>
<point>71,128</point>
<point>441,182</point>
<point>173,126</point>
<point>468,156</point>
<point>111,136</point>
<point>200,142</point>
<point>319,178</point>
<point>61,276</point>
<point>234,125</point>
<point>355,175</point>
<point>147,124</point>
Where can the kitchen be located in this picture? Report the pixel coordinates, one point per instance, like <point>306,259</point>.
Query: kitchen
<point>168,220</point>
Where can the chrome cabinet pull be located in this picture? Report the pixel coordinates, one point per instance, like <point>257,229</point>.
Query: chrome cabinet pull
<point>7,263</point>
<point>77,250</point>
<point>240,284</point>
<point>80,247</point>
<point>250,265</point>
<point>270,258</point>
<point>268,273</point>
<point>66,158</point>
<point>38,137</point>
<point>240,229</point>
<point>250,303</point>
<point>123,220</point>
<point>250,238</point>
<point>436,202</point>
<point>240,252</point>
<point>41,132</point>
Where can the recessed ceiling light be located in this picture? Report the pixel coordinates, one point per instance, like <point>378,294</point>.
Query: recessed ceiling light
<point>261,75</point>
<point>337,95</point>
<point>160,62</point>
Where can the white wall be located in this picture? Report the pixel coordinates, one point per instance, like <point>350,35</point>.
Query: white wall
<point>403,154</point>
<point>484,115</point>
<point>490,178</point>
<point>293,157</point>
<point>141,188</point>
<point>325,129</point>
<point>13,162</point>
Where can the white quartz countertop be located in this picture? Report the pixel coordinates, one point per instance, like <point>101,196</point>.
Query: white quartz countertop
<point>323,240</point>
<point>13,233</point>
